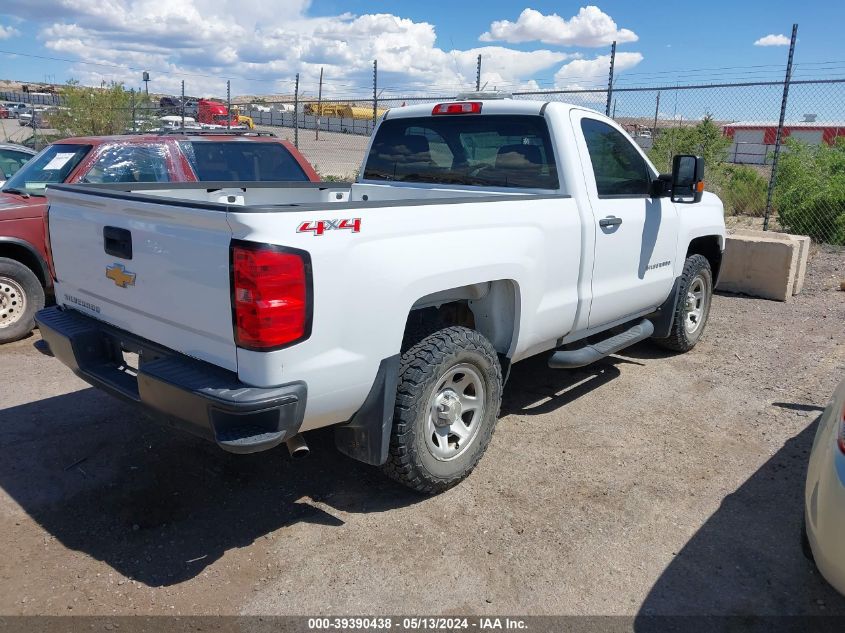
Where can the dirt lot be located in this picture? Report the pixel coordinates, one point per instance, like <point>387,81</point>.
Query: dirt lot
<point>648,483</point>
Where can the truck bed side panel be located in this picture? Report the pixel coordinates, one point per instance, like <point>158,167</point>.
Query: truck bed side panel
<point>365,284</point>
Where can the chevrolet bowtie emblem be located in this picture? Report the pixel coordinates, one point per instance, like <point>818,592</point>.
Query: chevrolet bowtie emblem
<point>120,276</point>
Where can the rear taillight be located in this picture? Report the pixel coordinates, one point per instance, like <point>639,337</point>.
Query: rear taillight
<point>458,107</point>
<point>271,295</point>
<point>841,434</point>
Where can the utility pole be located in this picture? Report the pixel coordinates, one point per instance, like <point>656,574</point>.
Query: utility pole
<point>183,104</point>
<point>228,104</point>
<point>134,118</point>
<point>779,135</point>
<point>610,78</point>
<point>375,96</point>
<point>319,107</point>
<point>478,75</point>
<point>296,113</point>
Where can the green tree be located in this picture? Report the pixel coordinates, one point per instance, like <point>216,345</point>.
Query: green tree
<point>810,190</point>
<point>704,139</point>
<point>99,111</point>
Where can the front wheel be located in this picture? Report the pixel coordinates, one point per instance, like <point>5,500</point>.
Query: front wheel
<point>21,296</point>
<point>447,402</point>
<point>695,293</point>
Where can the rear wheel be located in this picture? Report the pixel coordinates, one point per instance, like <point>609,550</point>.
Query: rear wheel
<point>21,296</point>
<point>447,402</point>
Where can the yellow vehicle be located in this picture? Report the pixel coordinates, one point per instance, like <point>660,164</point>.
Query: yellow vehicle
<point>243,119</point>
<point>342,110</point>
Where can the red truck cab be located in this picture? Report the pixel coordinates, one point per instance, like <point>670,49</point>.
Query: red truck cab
<point>214,113</point>
<point>25,278</point>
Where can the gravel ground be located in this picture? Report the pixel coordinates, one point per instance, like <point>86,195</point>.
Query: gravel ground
<point>648,483</point>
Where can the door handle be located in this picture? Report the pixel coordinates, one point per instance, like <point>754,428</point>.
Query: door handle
<point>610,220</point>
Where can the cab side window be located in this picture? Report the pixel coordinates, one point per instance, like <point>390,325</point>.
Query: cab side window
<point>620,170</point>
<point>11,161</point>
<point>130,163</point>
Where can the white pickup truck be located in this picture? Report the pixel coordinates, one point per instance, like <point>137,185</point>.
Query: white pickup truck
<point>478,234</point>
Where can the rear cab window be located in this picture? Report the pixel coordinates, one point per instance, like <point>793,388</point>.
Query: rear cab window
<point>249,161</point>
<point>53,165</point>
<point>489,151</point>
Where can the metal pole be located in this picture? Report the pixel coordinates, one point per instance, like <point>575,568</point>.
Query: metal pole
<point>319,107</point>
<point>614,109</point>
<point>656,111</point>
<point>228,105</point>
<point>34,123</point>
<point>375,87</point>
<point>610,78</point>
<point>779,134</point>
<point>296,113</point>
<point>183,104</point>
<point>134,118</point>
<point>478,75</point>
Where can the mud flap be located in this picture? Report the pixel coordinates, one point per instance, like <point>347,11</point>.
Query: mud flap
<point>664,316</point>
<point>366,437</point>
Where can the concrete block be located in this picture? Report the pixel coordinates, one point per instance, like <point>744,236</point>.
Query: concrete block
<point>760,266</point>
<point>804,242</point>
<point>803,251</point>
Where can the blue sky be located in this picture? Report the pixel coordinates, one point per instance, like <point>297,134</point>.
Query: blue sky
<point>261,45</point>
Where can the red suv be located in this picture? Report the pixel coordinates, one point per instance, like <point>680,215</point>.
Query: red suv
<point>166,157</point>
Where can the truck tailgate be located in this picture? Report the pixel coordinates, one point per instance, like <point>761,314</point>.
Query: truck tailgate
<point>158,270</point>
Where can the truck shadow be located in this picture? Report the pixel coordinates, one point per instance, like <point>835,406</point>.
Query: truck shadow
<point>534,389</point>
<point>158,505</point>
<point>746,559</point>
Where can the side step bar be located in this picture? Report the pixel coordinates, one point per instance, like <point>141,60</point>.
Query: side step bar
<point>569,359</point>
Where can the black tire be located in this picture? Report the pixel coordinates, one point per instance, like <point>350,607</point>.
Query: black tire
<point>680,339</point>
<point>422,368</point>
<point>16,280</point>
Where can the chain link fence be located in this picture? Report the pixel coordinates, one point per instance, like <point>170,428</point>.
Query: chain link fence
<point>733,125</point>
<point>735,128</point>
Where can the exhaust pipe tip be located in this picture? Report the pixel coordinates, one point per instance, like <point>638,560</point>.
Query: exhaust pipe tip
<point>297,447</point>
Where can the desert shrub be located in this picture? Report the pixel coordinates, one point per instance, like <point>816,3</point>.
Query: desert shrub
<point>742,190</point>
<point>810,190</point>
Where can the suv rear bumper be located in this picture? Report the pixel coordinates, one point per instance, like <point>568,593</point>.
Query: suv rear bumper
<point>187,393</point>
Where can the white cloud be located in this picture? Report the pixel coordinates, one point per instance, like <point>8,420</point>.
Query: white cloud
<point>261,46</point>
<point>590,27</point>
<point>773,40</point>
<point>592,72</point>
<point>8,31</point>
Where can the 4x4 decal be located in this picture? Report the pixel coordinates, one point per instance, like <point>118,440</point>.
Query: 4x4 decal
<point>319,227</point>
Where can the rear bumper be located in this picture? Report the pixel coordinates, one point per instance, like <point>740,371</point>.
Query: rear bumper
<point>187,393</point>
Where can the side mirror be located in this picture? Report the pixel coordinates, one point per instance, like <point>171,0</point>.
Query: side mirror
<point>687,178</point>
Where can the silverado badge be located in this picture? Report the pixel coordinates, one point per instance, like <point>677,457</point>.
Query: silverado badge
<point>120,276</point>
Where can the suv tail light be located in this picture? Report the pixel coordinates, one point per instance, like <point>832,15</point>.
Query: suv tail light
<point>459,107</point>
<point>841,434</point>
<point>271,295</point>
